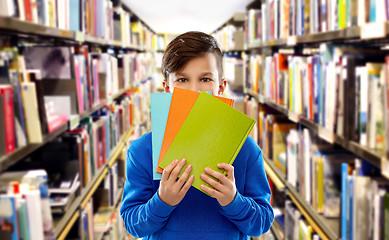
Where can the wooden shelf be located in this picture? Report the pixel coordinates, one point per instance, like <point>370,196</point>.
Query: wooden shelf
<point>64,225</point>
<point>373,156</point>
<point>275,228</point>
<point>326,228</point>
<point>20,153</point>
<point>14,26</point>
<point>100,235</point>
<point>351,33</point>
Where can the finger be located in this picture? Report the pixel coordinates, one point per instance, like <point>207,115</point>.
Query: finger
<point>187,185</point>
<point>229,169</point>
<point>166,172</point>
<point>215,174</point>
<point>210,191</point>
<point>217,185</point>
<point>176,171</point>
<point>184,176</point>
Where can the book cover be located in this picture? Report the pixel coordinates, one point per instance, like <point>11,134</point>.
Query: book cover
<point>30,104</point>
<point>305,230</point>
<point>8,8</point>
<point>160,104</point>
<point>20,126</point>
<point>212,133</point>
<point>53,62</point>
<point>361,207</point>
<point>181,104</point>
<point>35,77</point>
<point>8,115</point>
<point>332,169</point>
<point>27,10</point>
<point>307,162</point>
<point>344,200</point>
<point>24,229</point>
<point>374,108</point>
<point>8,218</point>
<point>74,13</point>
<point>79,85</point>
<point>280,131</point>
<point>386,108</point>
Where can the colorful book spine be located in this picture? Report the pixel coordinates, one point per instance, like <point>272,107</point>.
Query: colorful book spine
<point>8,115</point>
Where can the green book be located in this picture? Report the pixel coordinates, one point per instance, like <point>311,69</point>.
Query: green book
<point>212,133</point>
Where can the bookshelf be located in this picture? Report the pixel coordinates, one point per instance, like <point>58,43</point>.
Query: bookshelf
<point>63,225</point>
<point>24,29</point>
<point>376,157</point>
<point>20,153</point>
<point>137,50</point>
<point>284,39</point>
<point>327,229</point>
<point>118,199</point>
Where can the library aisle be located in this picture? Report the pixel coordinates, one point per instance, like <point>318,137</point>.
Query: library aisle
<point>75,83</point>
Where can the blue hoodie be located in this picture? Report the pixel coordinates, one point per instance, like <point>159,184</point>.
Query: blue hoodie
<point>197,216</point>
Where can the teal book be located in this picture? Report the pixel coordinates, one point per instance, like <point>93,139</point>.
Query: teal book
<point>212,133</point>
<point>74,15</point>
<point>160,104</point>
<point>23,220</point>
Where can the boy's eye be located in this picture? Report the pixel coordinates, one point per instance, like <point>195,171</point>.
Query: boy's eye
<point>182,80</point>
<point>206,79</point>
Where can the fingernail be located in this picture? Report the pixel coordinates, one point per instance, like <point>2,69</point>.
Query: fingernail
<point>176,161</point>
<point>206,169</point>
<point>189,166</point>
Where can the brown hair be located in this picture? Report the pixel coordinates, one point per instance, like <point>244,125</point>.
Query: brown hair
<point>186,47</point>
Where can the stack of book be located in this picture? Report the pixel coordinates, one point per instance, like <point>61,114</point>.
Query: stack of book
<point>280,19</point>
<point>185,122</point>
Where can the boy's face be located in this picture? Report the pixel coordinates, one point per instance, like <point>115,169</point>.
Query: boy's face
<point>199,74</point>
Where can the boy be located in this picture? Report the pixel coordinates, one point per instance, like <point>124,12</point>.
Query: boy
<point>170,208</point>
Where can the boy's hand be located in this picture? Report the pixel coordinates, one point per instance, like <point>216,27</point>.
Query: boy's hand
<point>172,191</point>
<point>225,189</point>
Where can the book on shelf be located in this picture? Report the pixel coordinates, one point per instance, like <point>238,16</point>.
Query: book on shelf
<point>335,83</point>
<point>251,110</point>
<point>7,123</point>
<point>29,189</point>
<point>292,216</point>
<point>86,226</point>
<point>281,19</point>
<point>226,131</point>
<point>8,218</point>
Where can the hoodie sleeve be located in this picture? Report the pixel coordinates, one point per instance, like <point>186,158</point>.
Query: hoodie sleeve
<point>142,211</point>
<point>251,211</point>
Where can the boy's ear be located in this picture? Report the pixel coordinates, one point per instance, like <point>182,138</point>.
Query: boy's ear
<point>166,86</point>
<point>222,86</point>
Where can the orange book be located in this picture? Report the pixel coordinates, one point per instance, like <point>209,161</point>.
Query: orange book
<point>180,106</point>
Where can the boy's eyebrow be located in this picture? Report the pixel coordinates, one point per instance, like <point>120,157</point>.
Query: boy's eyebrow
<point>181,74</point>
<point>202,74</point>
<point>207,74</point>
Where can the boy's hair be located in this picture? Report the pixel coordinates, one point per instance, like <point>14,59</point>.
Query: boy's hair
<point>186,47</point>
